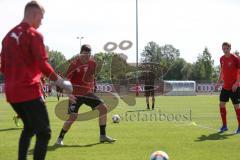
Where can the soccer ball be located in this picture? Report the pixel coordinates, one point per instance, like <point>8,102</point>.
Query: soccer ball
<point>116,118</point>
<point>159,155</point>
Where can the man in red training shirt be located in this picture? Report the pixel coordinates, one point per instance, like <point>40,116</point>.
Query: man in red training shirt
<point>23,61</point>
<point>229,74</point>
<point>81,74</point>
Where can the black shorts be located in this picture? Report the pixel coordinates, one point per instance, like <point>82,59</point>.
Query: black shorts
<point>149,91</point>
<point>90,100</point>
<point>235,96</point>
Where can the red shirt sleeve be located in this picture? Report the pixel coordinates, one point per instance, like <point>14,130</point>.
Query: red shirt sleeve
<point>40,55</point>
<point>221,62</point>
<point>47,70</point>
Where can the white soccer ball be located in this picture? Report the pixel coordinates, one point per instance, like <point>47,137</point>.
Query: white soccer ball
<point>116,118</point>
<point>159,155</point>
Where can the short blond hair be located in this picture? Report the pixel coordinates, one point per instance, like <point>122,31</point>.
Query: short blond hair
<point>33,4</point>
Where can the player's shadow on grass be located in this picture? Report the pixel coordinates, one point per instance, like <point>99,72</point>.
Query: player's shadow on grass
<point>139,110</point>
<point>214,136</point>
<point>10,129</point>
<point>55,147</point>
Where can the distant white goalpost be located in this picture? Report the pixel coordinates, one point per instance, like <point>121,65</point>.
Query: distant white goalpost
<point>180,88</point>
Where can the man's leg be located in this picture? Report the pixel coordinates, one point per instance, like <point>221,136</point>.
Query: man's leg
<point>153,102</point>
<point>102,118</point>
<point>237,110</point>
<point>66,126</point>
<point>147,101</point>
<point>236,103</point>
<point>27,133</point>
<point>102,108</point>
<point>224,97</point>
<point>73,111</point>
<point>97,104</point>
<point>37,113</point>
<point>223,113</point>
<point>153,98</point>
<point>57,89</point>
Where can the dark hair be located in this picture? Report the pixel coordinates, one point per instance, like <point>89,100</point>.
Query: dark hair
<point>33,4</point>
<point>86,48</point>
<point>226,44</point>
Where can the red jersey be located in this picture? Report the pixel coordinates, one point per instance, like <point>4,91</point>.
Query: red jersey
<point>229,66</point>
<point>23,60</point>
<point>82,76</point>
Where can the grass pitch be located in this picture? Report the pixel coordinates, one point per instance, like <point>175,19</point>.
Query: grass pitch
<point>184,127</point>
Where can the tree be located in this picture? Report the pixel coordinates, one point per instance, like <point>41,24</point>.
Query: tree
<point>57,60</point>
<point>180,70</point>
<point>120,68</point>
<point>159,58</point>
<point>236,53</point>
<point>187,71</point>
<point>103,70</point>
<point>216,73</point>
<point>111,67</point>
<point>203,68</point>
<point>99,61</point>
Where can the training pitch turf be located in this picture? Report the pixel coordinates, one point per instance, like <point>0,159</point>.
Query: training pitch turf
<point>184,127</point>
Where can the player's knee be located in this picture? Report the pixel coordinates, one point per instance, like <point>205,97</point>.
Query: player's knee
<point>72,118</point>
<point>28,131</point>
<point>236,106</point>
<point>222,105</point>
<point>102,109</point>
<point>44,135</point>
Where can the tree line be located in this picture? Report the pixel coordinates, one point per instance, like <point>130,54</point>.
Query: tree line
<point>164,60</point>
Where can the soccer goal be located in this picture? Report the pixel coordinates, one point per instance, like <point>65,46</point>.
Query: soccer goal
<point>180,88</point>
